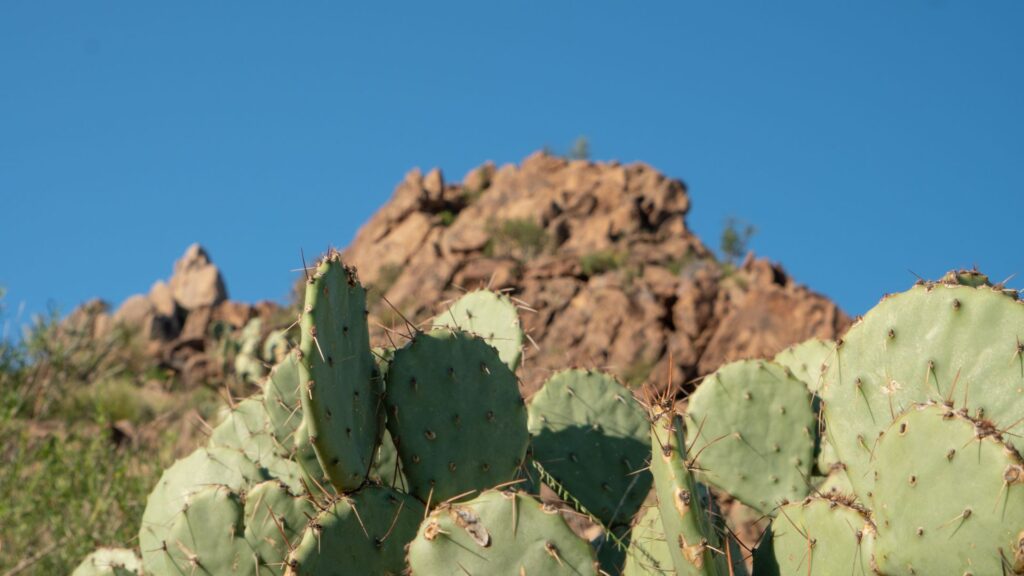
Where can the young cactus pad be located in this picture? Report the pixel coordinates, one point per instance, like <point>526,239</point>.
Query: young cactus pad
<point>683,515</point>
<point>109,562</point>
<point>491,316</point>
<point>207,536</point>
<point>247,429</point>
<point>455,414</point>
<point>752,430</point>
<point>363,533</point>
<point>935,342</point>
<point>275,519</point>
<point>949,498</point>
<point>807,360</point>
<point>340,389</point>
<point>593,437</point>
<point>821,537</point>
<point>649,554</point>
<point>204,467</point>
<point>499,533</point>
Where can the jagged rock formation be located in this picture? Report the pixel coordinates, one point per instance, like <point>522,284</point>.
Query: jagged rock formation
<point>172,323</point>
<point>601,254</point>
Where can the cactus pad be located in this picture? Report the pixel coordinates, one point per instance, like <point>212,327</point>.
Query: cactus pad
<point>592,436</point>
<point>753,429</point>
<point>275,520</point>
<point>949,497</point>
<point>649,553</point>
<point>205,466</point>
<point>684,513</point>
<point>109,562</point>
<point>339,387</point>
<point>281,399</point>
<point>363,533</point>
<point>455,414</point>
<point>207,536</point>
<point>822,537</point>
<point>935,342</point>
<point>807,360</point>
<point>491,316</point>
<point>499,533</point>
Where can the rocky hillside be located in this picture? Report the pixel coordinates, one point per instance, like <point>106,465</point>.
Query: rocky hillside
<point>599,255</point>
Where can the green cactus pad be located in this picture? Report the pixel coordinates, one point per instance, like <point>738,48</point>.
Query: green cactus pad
<point>822,537</point>
<point>387,469</point>
<point>340,390</point>
<point>246,428</point>
<point>499,533</point>
<point>491,316</point>
<point>204,467</point>
<point>207,537</point>
<point>649,553</point>
<point>753,429</point>
<point>807,360</point>
<point>592,436</point>
<point>363,533</point>
<point>109,562</point>
<point>837,485</point>
<point>935,342</point>
<point>306,458</point>
<point>455,414</point>
<point>275,520</point>
<point>949,497</point>
<point>276,346</point>
<point>684,516</point>
<point>281,399</point>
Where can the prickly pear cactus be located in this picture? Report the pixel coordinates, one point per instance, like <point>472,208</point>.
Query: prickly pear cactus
<point>491,316</point>
<point>248,364</point>
<point>949,498</point>
<point>363,533</point>
<point>649,553</point>
<point>339,385</point>
<point>281,400</point>
<point>275,519</point>
<point>684,517</point>
<point>753,429</point>
<point>945,342</point>
<point>807,361</point>
<point>202,468</point>
<point>499,533</point>
<point>818,536</point>
<point>593,437</point>
<point>455,414</point>
<point>109,562</point>
<point>246,428</point>
<point>207,536</point>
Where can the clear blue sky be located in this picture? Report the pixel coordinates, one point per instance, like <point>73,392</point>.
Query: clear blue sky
<point>863,139</point>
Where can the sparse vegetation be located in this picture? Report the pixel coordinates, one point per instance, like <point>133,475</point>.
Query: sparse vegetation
<point>601,261</point>
<point>520,238</point>
<point>580,149</point>
<point>735,240</point>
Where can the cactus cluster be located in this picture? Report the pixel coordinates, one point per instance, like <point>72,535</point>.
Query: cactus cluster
<point>893,451</point>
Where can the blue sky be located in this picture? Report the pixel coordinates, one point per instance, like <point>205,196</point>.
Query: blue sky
<point>863,139</point>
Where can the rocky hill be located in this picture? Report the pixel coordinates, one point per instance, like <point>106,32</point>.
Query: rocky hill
<point>599,255</point>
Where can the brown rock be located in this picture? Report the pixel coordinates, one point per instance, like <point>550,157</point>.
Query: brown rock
<point>234,314</point>
<point>196,281</point>
<point>162,298</point>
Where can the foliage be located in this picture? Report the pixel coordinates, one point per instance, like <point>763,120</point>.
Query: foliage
<point>601,261</point>
<point>520,238</point>
<point>735,241</point>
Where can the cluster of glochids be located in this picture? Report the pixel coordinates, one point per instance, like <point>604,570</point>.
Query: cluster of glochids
<point>890,452</point>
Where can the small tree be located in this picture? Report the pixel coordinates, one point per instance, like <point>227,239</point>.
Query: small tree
<point>735,240</point>
<point>580,149</point>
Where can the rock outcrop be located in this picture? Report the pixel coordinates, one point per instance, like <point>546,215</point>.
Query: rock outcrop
<point>601,258</point>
